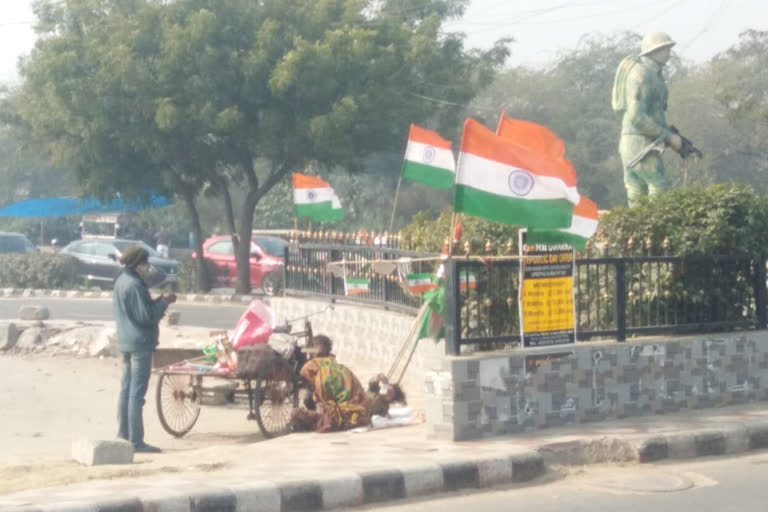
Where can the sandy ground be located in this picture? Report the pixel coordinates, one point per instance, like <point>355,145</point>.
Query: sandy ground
<point>47,401</point>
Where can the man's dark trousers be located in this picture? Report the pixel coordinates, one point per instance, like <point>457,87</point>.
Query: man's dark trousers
<point>137,368</point>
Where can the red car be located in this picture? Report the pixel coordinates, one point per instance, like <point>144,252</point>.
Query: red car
<point>266,261</point>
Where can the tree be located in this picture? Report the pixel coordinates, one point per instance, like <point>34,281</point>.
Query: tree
<point>178,96</point>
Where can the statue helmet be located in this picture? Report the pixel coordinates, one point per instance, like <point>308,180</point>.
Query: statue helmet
<point>655,41</point>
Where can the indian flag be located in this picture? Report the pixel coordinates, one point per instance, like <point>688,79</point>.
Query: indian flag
<point>314,198</point>
<point>583,226</point>
<point>355,285</point>
<point>420,283</point>
<point>467,281</point>
<point>504,182</point>
<point>429,159</point>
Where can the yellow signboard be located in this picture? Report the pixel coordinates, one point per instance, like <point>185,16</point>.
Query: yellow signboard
<point>546,295</point>
<point>547,304</point>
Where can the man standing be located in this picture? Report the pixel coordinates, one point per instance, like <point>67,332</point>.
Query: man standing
<point>137,316</point>
<point>640,95</point>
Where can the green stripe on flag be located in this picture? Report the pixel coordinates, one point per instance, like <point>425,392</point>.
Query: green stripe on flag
<point>427,175</point>
<point>532,213</point>
<point>555,237</point>
<point>319,212</point>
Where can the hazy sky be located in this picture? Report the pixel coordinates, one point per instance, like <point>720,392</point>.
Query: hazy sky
<point>541,28</point>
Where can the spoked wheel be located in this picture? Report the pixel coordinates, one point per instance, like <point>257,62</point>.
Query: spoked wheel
<point>276,398</point>
<point>178,401</point>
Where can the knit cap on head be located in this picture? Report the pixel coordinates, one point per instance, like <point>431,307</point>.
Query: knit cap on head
<point>134,256</point>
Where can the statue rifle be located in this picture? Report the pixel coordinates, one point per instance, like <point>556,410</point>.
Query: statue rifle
<point>656,145</point>
<point>686,150</point>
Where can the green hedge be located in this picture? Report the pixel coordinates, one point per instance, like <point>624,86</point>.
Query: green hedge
<point>38,270</point>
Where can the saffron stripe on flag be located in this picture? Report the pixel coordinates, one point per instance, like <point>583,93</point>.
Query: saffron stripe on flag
<point>427,137</point>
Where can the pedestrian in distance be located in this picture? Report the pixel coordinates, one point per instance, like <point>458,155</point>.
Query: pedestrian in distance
<point>137,317</point>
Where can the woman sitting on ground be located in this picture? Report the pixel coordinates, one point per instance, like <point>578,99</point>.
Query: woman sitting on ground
<point>341,402</point>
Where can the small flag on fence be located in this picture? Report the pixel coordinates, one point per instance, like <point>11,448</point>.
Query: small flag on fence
<point>467,281</point>
<point>355,285</point>
<point>420,283</point>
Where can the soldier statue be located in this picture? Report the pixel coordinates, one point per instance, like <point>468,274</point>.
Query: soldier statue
<point>640,96</point>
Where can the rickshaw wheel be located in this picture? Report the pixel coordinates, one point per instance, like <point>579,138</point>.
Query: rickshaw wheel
<point>276,398</point>
<point>178,399</point>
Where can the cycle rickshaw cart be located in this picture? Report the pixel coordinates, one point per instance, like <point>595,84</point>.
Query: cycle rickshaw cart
<point>268,379</point>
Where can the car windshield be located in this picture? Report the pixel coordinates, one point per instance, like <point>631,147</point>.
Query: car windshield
<point>272,246</point>
<point>122,245</point>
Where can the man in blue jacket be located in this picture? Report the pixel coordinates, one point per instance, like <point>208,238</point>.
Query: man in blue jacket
<point>137,316</point>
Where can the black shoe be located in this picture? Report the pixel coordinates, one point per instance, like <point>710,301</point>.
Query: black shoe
<point>145,448</point>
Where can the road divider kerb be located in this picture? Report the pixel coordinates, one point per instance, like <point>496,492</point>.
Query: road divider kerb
<point>24,293</point>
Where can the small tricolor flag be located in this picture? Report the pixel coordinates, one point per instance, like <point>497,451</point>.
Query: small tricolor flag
<point>501,181</point>
<point>314,198</point>
<point>467,281</point>
<point>429,159</point>
<point>420,283</point>
<point>583,226</point>
<point>355,285</point>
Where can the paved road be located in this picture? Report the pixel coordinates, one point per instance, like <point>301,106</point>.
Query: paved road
<point>722,485</point>
<point>214,316</point>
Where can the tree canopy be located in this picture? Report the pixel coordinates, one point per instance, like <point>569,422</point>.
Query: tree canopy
<point>178,96</point>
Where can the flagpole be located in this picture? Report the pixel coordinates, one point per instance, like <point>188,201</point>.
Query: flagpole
<point>394,206</point>
<point>453,206</point>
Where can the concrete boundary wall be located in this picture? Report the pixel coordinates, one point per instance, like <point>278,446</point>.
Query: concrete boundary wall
<point>497,393</point>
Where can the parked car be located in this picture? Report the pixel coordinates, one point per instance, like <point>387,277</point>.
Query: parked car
<point>266,261</point>
<point>99,262</point>
<point>15,242</point>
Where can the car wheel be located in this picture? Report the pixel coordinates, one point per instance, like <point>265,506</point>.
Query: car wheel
<point>272,284</point>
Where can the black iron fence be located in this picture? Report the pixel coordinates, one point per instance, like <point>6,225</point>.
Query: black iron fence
<point>307,272</point>
<point>613,298</point>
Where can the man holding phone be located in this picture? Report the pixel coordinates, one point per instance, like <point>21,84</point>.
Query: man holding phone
<point>137,317</point>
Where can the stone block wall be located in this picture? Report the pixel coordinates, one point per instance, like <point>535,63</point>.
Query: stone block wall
<point>498,393</point>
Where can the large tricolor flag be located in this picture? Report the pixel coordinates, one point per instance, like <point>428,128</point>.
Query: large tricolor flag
<point>505,182</point>
<point>314,198</point>
<point>429,159</point>
<point>583,226</point>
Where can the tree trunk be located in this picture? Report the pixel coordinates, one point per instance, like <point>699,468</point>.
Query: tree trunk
<point>244,250</point>
<point>202,271</point>
<point>230,211</point>
<point>255,193</point>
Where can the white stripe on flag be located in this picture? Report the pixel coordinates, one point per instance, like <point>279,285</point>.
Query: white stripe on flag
<point>495,177</point>
<point>430,155</point>
<point>313,195</point>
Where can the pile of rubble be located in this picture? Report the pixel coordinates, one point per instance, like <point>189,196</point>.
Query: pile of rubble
<point>34,332</point>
